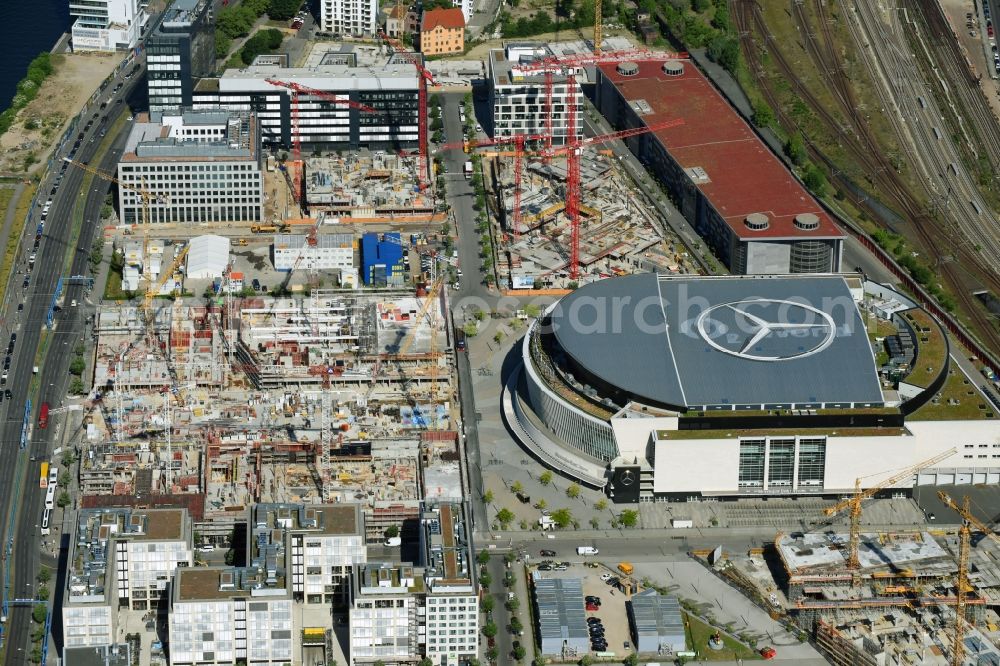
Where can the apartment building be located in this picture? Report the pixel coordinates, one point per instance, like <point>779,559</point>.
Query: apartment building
<point>106,25</point>
<point>452,607</point>
<point>120,558</point>
<point>353,18</point>
<point>180,49</point>
<point>386,601</point>
<point>324,543</point>
<point>518,93</point>
<point>199,167</point>
<point>385,83</point>
<point>401,20</point>
<point>442,32</point>
<point>328,252</point>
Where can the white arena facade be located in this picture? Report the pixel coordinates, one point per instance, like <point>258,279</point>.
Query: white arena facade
<point>675,388</point>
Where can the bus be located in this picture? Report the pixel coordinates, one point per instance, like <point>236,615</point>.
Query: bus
<point>43,477</point>
<point>50,497</point>
<point>45,522</point>
<point>43,416</point>
<point>53,476</point>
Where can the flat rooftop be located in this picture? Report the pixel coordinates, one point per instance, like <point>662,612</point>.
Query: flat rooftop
<point>825,551</point>
<point>793,341</point>
<point>737,172</point>
<point>211,583</point>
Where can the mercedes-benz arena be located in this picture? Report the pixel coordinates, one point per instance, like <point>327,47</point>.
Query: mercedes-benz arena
<point>663,387</point>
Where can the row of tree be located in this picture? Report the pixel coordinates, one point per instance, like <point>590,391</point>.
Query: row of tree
<point>39,69</point>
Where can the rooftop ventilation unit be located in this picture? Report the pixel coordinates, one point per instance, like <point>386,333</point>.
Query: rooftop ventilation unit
<point>628,68</point>
<point>673,68</point>
<point>757,222</point>
<point>806,222</point>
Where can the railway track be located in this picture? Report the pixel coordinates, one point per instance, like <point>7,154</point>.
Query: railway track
<point>858,140</point>
<point>955,67</point>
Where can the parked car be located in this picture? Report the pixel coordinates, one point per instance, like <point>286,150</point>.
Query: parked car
<point>547,553</point>
<point>768,652</point>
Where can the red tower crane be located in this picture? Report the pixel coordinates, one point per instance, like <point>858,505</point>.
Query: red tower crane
<point>518,141</point>
<point>424,77</point>
<point>299,89</point>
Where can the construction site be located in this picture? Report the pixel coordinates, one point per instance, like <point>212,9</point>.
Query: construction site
<point>619,233</point>
<point>330,397</point>
<point>927,596</point>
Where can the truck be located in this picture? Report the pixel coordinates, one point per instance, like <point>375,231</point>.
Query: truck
<point>43,416</point>
<point>586,550</point>
<point>468,170</point>
<point>263,228</point>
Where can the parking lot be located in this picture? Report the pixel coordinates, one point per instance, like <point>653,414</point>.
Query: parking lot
<point>612,611</point>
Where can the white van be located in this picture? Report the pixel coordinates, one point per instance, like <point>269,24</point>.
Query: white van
<point>586,550</point>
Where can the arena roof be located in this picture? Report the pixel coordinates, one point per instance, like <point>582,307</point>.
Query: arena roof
<point>773,342</point>
<point>741,176</point>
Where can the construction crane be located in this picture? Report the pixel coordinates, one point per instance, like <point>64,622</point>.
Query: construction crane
<point>146,195</point>
<point>425,77</point>
<point>149,317</point>
<point>299,89</point>
<point>572,152</point>
<point>597,26</point>
<point>853,503</point>
<point>519,141</point>
<point>962,586</point>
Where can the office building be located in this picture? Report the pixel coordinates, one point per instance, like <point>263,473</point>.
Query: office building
<point>348,18</point>
<point>452,606</point>
<point>442,32</point>
<point>324,543</point>
<point>663,420</point>
<point>180,49</point>
<point>120,558</point>
<point>757,218</point>
<point>106,25</point>
<point>329,252</point>
<point>384,622</point>
<point>198,166</point>
<point>382,259</point>
<point>386,84</point>
<point>518,93</point>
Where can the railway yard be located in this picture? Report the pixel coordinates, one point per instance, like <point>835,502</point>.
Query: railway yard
<point>936,202</point>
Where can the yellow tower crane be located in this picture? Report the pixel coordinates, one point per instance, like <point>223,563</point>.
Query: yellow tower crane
<point>597,26</point>
<point>853,503</point>
<point>962,586</point>
<point>145,195</point>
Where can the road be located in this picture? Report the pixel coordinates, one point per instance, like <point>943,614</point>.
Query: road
<point>67,331</point>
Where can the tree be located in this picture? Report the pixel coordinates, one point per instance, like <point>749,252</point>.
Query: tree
<point>76,386</point>
<point>532,310</point>
<point>586,660</point>
<point>391,531</point>
<point>282,10</point>
<point>595,523</point>
<point>795,148</point>
<point>515,625</point>
<point>545,478</point>
<point>492,653</point>
<point>632,660</point>
<point>519,652</point>
<point>64,478</point>
<point>487,604</point>
<point>505,516</point>
<point>426,661</point>
<point>814,180</point>
<point>516,487</point>
<point>43,593</point>
<point>725,50</point>
<point>541,504</point>
<point>63,500</point>
<point>38,614</point>
<point>628,518</point>
<point>490,629</point>
<point>44,575</point>
<point>572,491</point>
<point>509,558</point>
<point>601,504</point>
<point>563,518</point>
<point>485,579</point>
<point>483,557</point>
<point>763,116</point>
<point>488,497</point>
<point>222,44</point>
<point>77,365</point>
<point>512,604</point>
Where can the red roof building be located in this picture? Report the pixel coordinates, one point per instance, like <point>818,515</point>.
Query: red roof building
<point>734,191</point>
<point>442,31</point>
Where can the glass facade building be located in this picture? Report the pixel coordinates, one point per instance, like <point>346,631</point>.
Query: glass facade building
<point>179,51</point>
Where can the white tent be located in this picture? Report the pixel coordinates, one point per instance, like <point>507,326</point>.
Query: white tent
<point>207,257</point>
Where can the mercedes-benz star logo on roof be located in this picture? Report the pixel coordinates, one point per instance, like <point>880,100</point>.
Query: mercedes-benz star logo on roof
<point>777,330</point>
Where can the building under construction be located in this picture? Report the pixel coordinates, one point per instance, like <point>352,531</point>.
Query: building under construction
<point>619,233</point>
<point>366,186</point>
